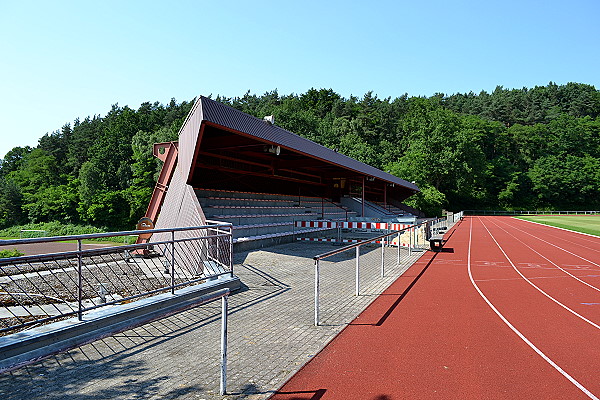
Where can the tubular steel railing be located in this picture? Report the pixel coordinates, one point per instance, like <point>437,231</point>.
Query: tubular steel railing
<point>416,235</point>
<point>36,289</point>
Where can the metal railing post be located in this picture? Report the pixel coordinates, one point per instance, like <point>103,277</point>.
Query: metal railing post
<point>317,292</point>
<point>223,386</point>
<point>357,289</point>
<point>410,240</point>
<point>416,238</point>
<point>231,249</point>
<point>398,261</point>
<point>172,262</point>
<point>218,256</point>
<point>383,257</point>
<point>79,281</point>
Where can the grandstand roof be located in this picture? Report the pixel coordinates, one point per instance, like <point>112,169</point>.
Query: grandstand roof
<point>218,142</point>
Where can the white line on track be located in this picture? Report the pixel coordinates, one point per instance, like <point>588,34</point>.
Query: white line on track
<point>544,257</point>
<point>518,279</point>
<point>570,231</point>
<point>562,229</point>
<point>535,286</point>
<point>515,330</point>
<point>558,247</point>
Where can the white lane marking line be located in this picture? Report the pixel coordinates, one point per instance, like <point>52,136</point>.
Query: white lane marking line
<point>515,279</point>
<point>534,285</point>
<point>544,257</point>
<point>515,330</point>
<point>562,229</point>
<point>566,230</point>
<point>558,247</point>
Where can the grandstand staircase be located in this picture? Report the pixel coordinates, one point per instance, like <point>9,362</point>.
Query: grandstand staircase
<point>390,209</point>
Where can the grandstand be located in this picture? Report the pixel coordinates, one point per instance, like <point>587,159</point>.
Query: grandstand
<point>232,167</point>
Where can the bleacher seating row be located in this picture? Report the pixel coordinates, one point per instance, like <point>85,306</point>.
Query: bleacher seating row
<point>270,218</point>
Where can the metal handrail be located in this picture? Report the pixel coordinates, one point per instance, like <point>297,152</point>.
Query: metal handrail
<point>370,240</point>
<point>72,276</point>
<point>88,236</point>
<point>99,251</point>
<point>317,259</point>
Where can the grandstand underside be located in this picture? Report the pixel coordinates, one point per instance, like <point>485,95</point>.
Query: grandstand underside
<point>234,161</point>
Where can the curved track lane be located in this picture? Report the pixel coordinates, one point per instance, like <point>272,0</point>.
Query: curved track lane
<point>554,321</point>
<point>571,263</point>
<point>577,243</point>
<point>542,271</point>
<point>464,324</point>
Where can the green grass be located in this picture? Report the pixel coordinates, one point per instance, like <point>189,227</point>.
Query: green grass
<point>10,253</point>
<point>113,241</point>
<point>581,223</point>
<point>51,229</point>
<point>57,229</point>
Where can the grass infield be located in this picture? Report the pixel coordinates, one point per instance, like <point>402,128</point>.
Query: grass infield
<point>581,223</point>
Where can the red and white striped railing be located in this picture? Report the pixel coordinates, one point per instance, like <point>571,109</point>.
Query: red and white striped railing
<point>351,225</point>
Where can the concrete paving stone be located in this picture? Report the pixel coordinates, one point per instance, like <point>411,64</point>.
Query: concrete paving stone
<point>271,334</point>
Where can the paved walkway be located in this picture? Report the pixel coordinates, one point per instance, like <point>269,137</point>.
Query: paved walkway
<point>271,334</point>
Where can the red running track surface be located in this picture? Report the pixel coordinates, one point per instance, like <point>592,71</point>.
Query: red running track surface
<point>510,310</point>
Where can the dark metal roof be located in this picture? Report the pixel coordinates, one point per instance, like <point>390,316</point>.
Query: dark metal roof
<point>228,117</point>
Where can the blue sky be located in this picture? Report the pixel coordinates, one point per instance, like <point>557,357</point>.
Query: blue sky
<point>66,59</point>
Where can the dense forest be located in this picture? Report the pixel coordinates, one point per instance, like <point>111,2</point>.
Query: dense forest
<point>510,149</point>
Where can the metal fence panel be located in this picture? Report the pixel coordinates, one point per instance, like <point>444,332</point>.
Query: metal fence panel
<point>42,288</point>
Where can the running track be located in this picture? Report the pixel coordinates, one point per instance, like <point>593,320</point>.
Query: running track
<point>510,310</point>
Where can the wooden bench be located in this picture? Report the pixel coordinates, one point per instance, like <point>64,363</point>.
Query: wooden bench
<point>436,242</point>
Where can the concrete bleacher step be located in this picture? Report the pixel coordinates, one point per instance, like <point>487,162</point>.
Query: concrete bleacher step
<point>266,204</point>
<point>245,219</point>
<point>254,210</point>
<point>247,202</point>
<point>261,229</point>
<point>274,235</point>
<point>262,219</point>
<point>252,196</point>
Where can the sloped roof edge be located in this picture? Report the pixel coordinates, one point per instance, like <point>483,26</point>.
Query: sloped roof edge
<point>229,117</point>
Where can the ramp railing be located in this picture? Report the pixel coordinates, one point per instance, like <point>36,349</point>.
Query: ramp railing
<point>417,236</point>
<point>40,288</point>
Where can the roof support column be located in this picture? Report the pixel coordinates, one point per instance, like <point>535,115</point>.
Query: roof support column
<point>385,195</point>
<point>363,198</point>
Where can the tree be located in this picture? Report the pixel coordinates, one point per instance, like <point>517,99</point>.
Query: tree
<point>13,159</point>
<point>90,182</point>
<point>567,182</point>
<point>55,203</point>
<point>429,200</point>
<point>11,202</point>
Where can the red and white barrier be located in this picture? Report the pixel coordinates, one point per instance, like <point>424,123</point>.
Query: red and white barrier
<point>316,224</point>
<point>334,240</point>
<point>308,239</point>
<point>351,225</point>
